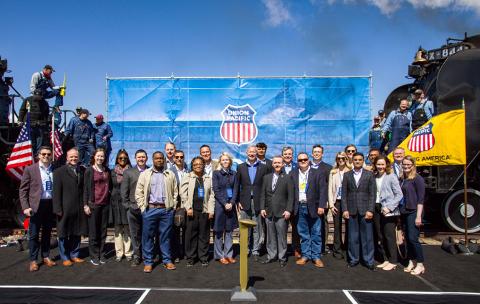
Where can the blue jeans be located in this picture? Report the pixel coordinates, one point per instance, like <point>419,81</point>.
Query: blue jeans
<point>412,233</point>
<point>309,230</point>
<point>360,235</point>
<point>223,246</point>
<point>161,221</point>
<point>69,247</point>
<point>43,219</point>
<point>37,135</point>
<point>58,97</point>
<point>85,152</point>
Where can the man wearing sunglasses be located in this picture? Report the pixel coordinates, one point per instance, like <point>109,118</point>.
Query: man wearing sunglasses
<point>36,199</point>
<point>178,238</point>
<point>310,201</point>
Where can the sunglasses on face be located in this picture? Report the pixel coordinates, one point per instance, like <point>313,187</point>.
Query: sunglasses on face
<point>122,158</point>
<point>179,157</point>
<point>303,160</point>
<point>341,158</point>
<point>351,151</point>
<point>45,154</point>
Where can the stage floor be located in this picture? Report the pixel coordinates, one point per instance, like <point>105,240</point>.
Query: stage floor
<point>447,277</point>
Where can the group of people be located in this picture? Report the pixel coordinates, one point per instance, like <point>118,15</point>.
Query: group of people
<point>164,212</point>
<point>388,132</point>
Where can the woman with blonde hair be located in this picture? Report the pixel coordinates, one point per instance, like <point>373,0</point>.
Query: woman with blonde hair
<point>226,220</point>
<point>335,180</point>
<point>413,188</point>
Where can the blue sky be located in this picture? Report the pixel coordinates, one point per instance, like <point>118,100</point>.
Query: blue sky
<point>88,40</point>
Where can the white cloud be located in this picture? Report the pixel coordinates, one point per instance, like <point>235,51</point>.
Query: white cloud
<point>277,13</point>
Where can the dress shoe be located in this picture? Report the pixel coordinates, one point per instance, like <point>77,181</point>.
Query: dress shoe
<point>383,264</point>
<point>410,266</point>
<point>204,264</point>
<point>371,267</point>
<point>147,268</point>
<point>231,260</point>
<point>301,261</point>
<point>389,266</point>
<point>318,263</point>
<point>351,265</point>
<point>170,266</point>
<point>67,263</point>
<point>136,262</point>
<point>94,262</point>
<point>256,257</point>
<point>177,260</point>
<point>297,254</point>
<point>129,258</point>
<point>418,270</point>
<point>49,262</point>
<point>224,261</point>
<point>283,263</point>
<point>102,261</point>
<point>268,261</point>
<point>33,266</point>
<point>189,264</point>
<point>118,259</point>
<point>78,260</point>
<point>338,255</point>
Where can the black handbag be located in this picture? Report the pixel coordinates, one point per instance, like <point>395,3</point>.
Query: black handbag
<point>179,219</point>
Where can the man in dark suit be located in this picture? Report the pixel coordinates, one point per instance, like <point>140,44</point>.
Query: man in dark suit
<point>134,216</point>
<point>318,163</point>
<point>247,192</point>
<point>261,155</point>
<point>310,202</point>
<point>35,194</point>
<point>358,203</point>
<point>68,206</point>
<point>179,168</point>
<point>277,205</point>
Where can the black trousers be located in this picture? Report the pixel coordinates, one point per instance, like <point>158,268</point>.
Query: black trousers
<point>97,230</point>
<point>295,235</point>
<point>134,218</point>
<point>197,236</point>
<point>380,254</point>
<point>338,244</point>
<point>42,220</point>
<point>388,224</point>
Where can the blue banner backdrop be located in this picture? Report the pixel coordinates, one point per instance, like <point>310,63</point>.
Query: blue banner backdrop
<point>230,113</point>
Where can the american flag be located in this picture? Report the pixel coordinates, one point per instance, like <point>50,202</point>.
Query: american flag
<point>22,154</point>
<point>57,145</point>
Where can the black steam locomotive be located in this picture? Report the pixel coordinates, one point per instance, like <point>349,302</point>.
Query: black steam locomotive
<point>449,75</point>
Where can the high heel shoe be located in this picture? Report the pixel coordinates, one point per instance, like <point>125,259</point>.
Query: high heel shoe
<point>390,267</point>
<point>383,264</point>
<point>410,267</point>
<point>418,271</point>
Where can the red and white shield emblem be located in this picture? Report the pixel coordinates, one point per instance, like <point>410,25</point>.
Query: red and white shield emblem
<point>422,139</point>
<point>238,125</point>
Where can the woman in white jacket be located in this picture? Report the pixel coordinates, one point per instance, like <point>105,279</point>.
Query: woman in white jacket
<point>335,180</point>
<point>389,196</point>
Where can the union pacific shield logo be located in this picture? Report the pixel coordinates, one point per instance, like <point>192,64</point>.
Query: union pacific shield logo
<point>238,125</point>
<point>422,139</point>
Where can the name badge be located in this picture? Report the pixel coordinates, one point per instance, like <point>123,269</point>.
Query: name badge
<point>339,191</point>
<point>229,192</point>
<point>201,192</point>
<point>303,186</point>
<point>48,185</point>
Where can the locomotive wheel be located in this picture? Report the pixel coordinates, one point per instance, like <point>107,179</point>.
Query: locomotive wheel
<point>453,211</point>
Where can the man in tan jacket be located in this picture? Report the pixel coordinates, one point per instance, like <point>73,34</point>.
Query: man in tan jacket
<point>156,196</point>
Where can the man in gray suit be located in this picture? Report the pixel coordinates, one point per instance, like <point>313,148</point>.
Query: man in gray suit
<point>35,194</point>
<point>276,206</point>
<point>134,216</point>
<point>358,202</point>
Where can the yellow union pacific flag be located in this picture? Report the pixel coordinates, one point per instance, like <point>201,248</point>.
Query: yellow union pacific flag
<point>439,142</point>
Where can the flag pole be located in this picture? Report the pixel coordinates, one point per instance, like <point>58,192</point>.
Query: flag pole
<point>52,134</point>
<point>465,201</point>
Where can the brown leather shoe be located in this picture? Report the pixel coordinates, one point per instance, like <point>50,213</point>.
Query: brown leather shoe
<point>318,263</point>
<point>297,253</point>
<point>301,261</point>
<point>170,266</point>
<point>67,263</point>
<point>48,262</point>
<point>33,266</point>
<point>224,261</point>
<point>231,260</point>
<point>147,268</point>
<point>78,260</point>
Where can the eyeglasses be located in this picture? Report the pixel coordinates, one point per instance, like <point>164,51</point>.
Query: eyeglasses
<point>407,165</point>
<point>351,151</point>
<point>122,158</point>
<point>45,154</point>
<point>340,158</point>
<point>303,160</point>
<point>179,157</point>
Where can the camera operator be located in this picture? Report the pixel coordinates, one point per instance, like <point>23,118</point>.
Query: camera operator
<point>43,81</point>
<point>4,98</point>
<point>39,114</point>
